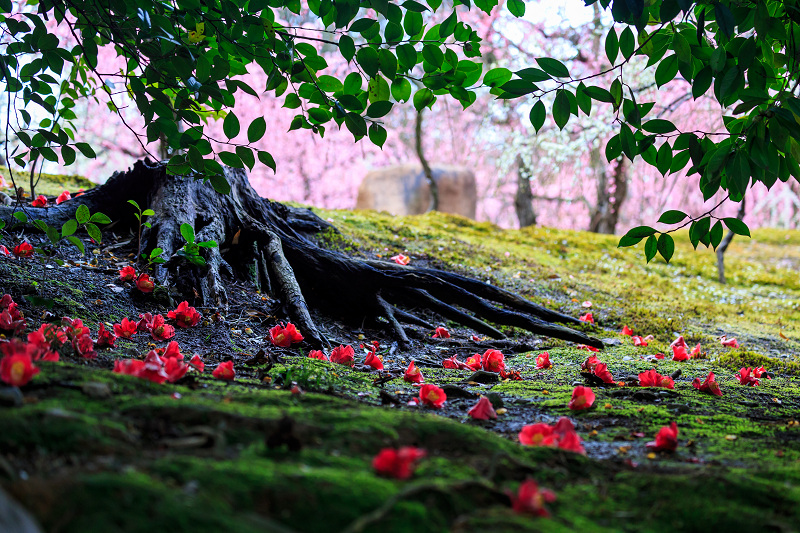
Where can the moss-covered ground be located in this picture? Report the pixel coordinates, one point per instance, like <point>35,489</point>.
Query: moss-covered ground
<point>207,455</point>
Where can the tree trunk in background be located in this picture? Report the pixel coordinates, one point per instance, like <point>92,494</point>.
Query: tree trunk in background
<point>523,202</point>
<point>424,162</point>
<point>609,203</point>
<point>724,246</point>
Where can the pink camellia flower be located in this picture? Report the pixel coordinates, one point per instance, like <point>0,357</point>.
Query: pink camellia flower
<point>374,360</point>
<point>23,249</point>
<point>84,346</point>
<point>413,374</point>
<point>638,341</point>
<point>474,362</point>
<point>760,371</point>
<point>582,398</point>
<point>746,377</point>
<point>730,343</point>
<point>543,360</point>
<point>125,329</point>
<point>343,355</point>
<point>493,361</point>
<point>284,336</point>
<point>530,499</point>
<point>224,371</point>
<point>679,353</point>
<point>144,283</point>
<point>601,371</point>
<point>697,352</point>
<point>441,333</point>
<point>197,363</point>
<point>40,201</point>
<point>105,338</point>
<point>588,317</point>
<point>627,331</point>
<point>666,439</point>
<point>587,348</point>
<point>400,259</point>
<point>709,385</point>
<point>63,197</point>
<point>397,463</point>
<point>17,370</point>
<point>160,330</point>
<point>562,435</point>
<point>127,273</point>
<point>185,316</point>
<point>318,354</point>
<point>651,378</point>
<point>483,410</point>
<point>590,363</point>
<point>432,396</point>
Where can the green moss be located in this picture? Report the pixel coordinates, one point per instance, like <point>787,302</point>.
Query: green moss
<point>48,184</point>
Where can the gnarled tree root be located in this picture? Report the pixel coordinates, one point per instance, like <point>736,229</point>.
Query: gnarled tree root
<point>274,243</point>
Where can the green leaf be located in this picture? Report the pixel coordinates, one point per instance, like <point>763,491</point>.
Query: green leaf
<point>672,217</point>
<point>666,246</point>
<point>367,57</point>
<point>256,129</point>
<point>356,124</point>
<point>401,89</point>
<point>715,235</point>
<point>561,109</point>
<point>666,70</point>
<point>22,217</point>
<point>69,227</point>
<point>497,77</point>
<point>82,214</point>
<point>650,247</point>
<point>100,218</point>
<point>423,98</point>
<point>516,7</point>
<point>612,45</point>
<point>187,231</point>
<point>148,212</point>
<point>554,67</point>
<point>537,115</point>
<point>377,134</point>
<point>134,204</point>
<point>702,81</point>
<point>94,232</point>
<point>699,230</point>
<point>219,183</point>
<point>627,42</point>
<point>737,226</point>
<point>267,159</point>
<point>77,242</point>
<point>724,18</point>
<point>664,158</point>
<point>347,47</point>
<point>208,244</point>
<point>658,125</point>
<point>86,150</point>
<point>635,235</point>
<point>379,109</point>
<point>230,126</point>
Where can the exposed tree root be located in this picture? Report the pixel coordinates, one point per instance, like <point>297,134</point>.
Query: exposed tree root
<point>272,245</point>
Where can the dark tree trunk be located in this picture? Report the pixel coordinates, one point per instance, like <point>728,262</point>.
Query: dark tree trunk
<point>523,201</point>
<point>723,246</point>
<point>426,167</point>
<point>606,212</point>
<point>274,243</point>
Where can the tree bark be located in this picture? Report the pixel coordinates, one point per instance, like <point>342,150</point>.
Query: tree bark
<point>426,167</point>
<point>279,242</point>
<point>523,201</point>
<point>606,212</point>
<point>723,246</point>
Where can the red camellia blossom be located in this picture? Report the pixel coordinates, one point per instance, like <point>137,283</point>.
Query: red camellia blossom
<point>413,374</point>
<point>587,348</point>
<point>74,328</point>
<point>145,284</point>
<point>173,350</point>
<point>401,259</point>
<point>54,335</point>
<point>224,371</point>
<point>627,331</point>
<point>343,355</point>
<point>758,372</point>
<point>432,396</point>
<point>105,338</point>
<point>160,330</point>
<point>197,363</point>
<point>638,341</point>
<point>587,318</point>
<point>543,360</point>
<point>84,346</point>
<point>186,316</point>
<point>441,333</point>
<point>730,343</point>
<point>318,354</point>
<point>63,197</point>
<point>40,201</point>
<point>590,363</point>
<point>145,322</point>
<point>38,347</point>
<point>709,385</point>
<point>130,367</point>
<point>666,439</point>
<point>679,353</point>
<point>17,369</point>
<point>4,250</point>
<point>23,249</point>
<point>530,499</point>
<point>127,274</point>
<point>562,435</point>
<point>374,360</point>
<point>582,398</point>
<point>397,463</point>
<point>493,361</point>
<point>474,362</point>
<point>483,410</point>
<point>651,378</point>
<point>125,329</point>
<point>696,352</point>
<point>746,377</point>
<point>453,362</point>
<point>284,336</point>
<point>12,321</point>
<point>601,371</point>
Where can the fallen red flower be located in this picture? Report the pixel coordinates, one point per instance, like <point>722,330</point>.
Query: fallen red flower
<point>591,362</point>
<point>145,322</point>
<point>284,336</point>
<point>651,378</point>
<point>400,259</point>
<point>543,360</point>
<point>125,329</point>
<point>758,372</point>
<point>562,435</point>
<point>318,354</point>
<point>626,331</point>
<point>493,361</point>
<point>40,201</point>
<point>441,333</point>
<point>587,348</point>
<point>224,371</point>
<point>5,301</point>
<point>23,249</point>
<point>511,374</point>
<point>105,338</point>
<point>638,341</point>
<point>678,342</point>
<point>709,385</point>
<point>697,352</point>
<point>397,463</point>
<point>9,323</point>
<point>679,353</point>
<point>582,398</point>
<point>4,250</point>
<point>54,335</point>
<point>145,284</point>
<point>374,361</point>
<point>63,197</point>
<point>601,371</point>
<point>175,368</point>
<point>84,346</point>
<point>587,318</point>
<point>160,330</point>
<point>730,343</point>
<point>17,369</point>
<point>197,363</point>
<point>128,273</point>
<point>474,362</point>
<point>173,349</point>
<point>343,355</point>
<point>666,439</point>
<point>530,499</point>
<point>130,367</point>
<point>413,374</point>
<point>74,328</point>
<point>432,396</point>
<point>745,377</point>
<point>185,316</point>
<point>483,410</point>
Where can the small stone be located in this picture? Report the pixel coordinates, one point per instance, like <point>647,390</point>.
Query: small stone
<point>481,376</point>
<point>495,399</point>
<point>612,342</point>
<point>454,391</point>
<point>501,411</point>
<point>11,397</point>
<point>95,389</point>
<point>577,383</point>
<point>644,395</point>
<point>627,358</point>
